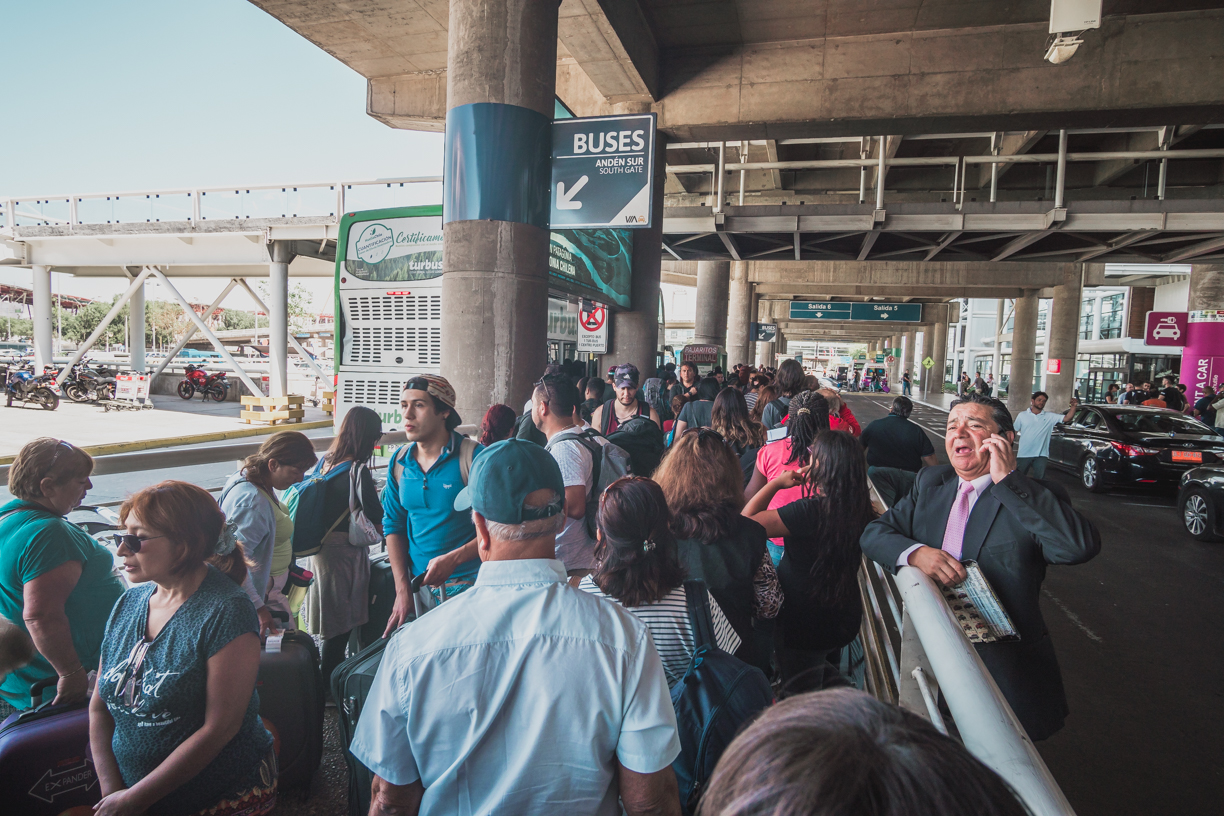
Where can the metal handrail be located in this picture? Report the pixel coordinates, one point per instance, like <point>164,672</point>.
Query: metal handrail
<point>916,649</point>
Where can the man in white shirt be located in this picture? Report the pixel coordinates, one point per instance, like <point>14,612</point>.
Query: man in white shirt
<point>1035,426</point>
<point>552,410</point>
<point>523,694</point>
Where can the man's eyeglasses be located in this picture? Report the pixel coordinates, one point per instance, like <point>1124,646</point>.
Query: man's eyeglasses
<point>133,543</point>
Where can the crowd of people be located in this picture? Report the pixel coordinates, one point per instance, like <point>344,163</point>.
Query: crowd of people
<point>560,555</point>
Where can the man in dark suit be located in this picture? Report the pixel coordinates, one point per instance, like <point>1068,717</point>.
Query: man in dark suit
<point>980,509</point>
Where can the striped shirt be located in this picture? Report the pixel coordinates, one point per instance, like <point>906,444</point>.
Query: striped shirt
<point>671,630</point>
<point>751,399</point>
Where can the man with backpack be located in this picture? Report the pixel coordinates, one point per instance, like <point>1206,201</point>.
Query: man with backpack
<point>552,409</point>
<point>625,405</point>
<point>425,533</point>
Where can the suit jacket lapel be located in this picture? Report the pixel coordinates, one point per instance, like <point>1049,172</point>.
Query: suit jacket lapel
<point>980,520</point>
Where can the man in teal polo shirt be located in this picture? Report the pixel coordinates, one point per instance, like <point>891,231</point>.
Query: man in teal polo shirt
<point>424,531</point>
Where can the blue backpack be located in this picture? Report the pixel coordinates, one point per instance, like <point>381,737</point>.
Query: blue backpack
<point>717,698</point>
<point>304,503</point>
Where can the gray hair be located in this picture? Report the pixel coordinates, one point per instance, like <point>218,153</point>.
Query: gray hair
<point>527,530</point>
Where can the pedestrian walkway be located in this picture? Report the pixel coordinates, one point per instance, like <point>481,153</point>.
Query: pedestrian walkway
<point>88,424</point>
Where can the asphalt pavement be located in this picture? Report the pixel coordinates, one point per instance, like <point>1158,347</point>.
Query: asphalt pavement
<point>1138,633</point>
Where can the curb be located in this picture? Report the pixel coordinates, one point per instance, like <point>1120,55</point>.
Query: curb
<point>175,441</point>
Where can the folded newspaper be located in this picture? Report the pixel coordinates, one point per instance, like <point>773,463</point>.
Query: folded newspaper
<point>977,609</point>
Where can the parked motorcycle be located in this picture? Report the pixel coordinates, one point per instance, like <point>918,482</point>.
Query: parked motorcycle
<point>196,379</point>
<point>85,384</point>
<point>22,385</point>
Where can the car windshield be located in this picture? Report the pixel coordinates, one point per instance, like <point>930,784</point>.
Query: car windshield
<point>1162,424</point>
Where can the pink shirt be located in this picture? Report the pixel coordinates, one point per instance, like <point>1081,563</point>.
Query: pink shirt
<point>771,461</point>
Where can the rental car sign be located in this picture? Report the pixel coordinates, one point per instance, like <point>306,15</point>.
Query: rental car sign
<point>603,172</point>
<point>1165,329</point>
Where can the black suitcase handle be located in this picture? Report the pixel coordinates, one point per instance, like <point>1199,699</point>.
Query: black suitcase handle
<point>37,689</point>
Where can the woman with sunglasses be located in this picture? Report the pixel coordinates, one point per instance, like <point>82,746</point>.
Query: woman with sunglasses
<point>174,724</point>
<point>56,582</point>
<point>819,571</point>
<point>702,482</point>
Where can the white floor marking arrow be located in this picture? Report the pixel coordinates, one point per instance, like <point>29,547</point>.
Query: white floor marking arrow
<point>565,200</point>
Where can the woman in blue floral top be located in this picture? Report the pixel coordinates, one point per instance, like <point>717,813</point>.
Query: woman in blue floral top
<point>174,726</point>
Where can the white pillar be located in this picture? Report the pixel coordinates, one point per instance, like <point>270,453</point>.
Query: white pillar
<point>136,330</point>
<point>278,319</point>
<point>43,349</point>
<point>996,361</point>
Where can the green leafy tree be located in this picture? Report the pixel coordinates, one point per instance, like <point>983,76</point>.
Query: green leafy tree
<point>164,323</point>
<point>301,305</point>
<point>11,327</point>
<point>87,319</point>
<point>232,319</point>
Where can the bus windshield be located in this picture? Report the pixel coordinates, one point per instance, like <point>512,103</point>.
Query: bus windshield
<point>395,249</point>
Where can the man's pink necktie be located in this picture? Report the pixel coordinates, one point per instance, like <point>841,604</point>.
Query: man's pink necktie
<point>954,533</point>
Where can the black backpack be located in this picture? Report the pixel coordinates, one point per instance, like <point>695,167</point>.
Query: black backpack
<point>643,440</point>
<point>717,698</point>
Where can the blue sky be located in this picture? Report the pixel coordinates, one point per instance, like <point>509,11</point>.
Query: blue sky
<point>137,94</point>
<point>124,95</point>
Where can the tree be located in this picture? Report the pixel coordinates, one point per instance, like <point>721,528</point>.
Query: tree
<point>232,319</point>
<point>87,319</point>
<point>164,322</point>
<point>11,327</point>
<point>301,305</point>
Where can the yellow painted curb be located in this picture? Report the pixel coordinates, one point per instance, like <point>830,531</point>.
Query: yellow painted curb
<point>175,441</point>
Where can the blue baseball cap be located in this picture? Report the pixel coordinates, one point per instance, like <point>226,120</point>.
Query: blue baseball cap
<point>504,474</point>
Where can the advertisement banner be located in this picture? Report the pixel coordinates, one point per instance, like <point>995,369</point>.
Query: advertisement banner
<point>1203,357</point>
<point>594,263</point>
<point>395,249</point>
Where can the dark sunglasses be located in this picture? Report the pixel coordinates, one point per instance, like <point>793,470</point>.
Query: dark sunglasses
<point>704,433</point>
<point>133,542</point>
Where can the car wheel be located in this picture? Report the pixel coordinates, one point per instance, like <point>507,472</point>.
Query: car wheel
<point>1091,476</point>
<point>1198,515</point>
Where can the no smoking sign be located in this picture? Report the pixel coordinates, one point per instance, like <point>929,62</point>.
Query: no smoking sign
<point>593,329</point>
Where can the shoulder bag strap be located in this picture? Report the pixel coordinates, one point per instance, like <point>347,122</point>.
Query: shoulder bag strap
<point>606,419</point>
<point>467,450</point>
<point>397,465</point>
<point>697,599</point>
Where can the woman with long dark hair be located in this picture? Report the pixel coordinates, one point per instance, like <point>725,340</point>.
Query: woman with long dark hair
<point>638,566</point>
<point>702,482</point>
<point>767,393</point>
<point>819,570</point>
<point>790,381</point>
<point>337,601</point>
<point>745,437</point>
<point>809,415</point>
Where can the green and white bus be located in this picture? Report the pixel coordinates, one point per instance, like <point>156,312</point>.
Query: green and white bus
<point>389,306</point>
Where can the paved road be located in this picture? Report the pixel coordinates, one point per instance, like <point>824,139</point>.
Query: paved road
<point>1139,633</point>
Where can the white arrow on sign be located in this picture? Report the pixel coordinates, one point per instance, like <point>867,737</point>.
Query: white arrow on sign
<point>565,199</point>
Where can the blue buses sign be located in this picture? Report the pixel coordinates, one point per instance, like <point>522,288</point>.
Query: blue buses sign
<point>602,172</point>
<point>825,310</point>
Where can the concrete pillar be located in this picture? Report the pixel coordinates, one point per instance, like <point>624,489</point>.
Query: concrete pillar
<point>932,385</point>
<point>136,330</point>
<point>739,315</point>
<point>766,354</point>
<point>42,312</point>
<point>635,334</point>
<point>755,350</point>
<point>909,355</point>
<point>1063,327</point>
<point>278,319</point>
<point>501,66</point>
<point>713,284</point>
<point>1023,353</point>
<point>1206,287</point>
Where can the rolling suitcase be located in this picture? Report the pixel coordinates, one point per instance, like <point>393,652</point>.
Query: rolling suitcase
<point>382,597</point>
<point>290,687</point>
<point>46,768</point>
<point>350,686</point>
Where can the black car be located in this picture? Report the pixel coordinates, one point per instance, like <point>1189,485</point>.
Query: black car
<point>1132,445</point>
<point>1200,501</point>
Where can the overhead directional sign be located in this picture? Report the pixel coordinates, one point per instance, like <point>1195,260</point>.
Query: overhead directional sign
<point>766,332</point>
<point>826,310</point>
<point>603,172</point>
